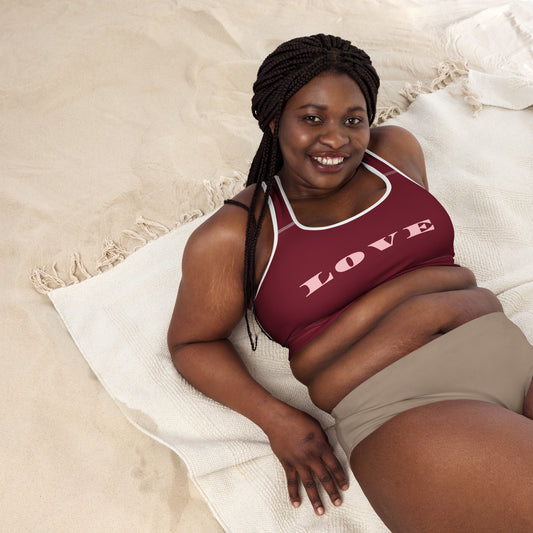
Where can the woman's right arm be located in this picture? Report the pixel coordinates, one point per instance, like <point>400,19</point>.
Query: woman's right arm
<point>208,306</point>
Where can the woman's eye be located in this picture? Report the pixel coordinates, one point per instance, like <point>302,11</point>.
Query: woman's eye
<point>353,121</point>
<point>312,118</point>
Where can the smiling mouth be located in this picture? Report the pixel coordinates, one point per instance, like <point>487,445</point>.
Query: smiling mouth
<point>329,161</point>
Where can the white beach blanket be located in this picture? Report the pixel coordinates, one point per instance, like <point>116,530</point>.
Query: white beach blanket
<point>479,166</point>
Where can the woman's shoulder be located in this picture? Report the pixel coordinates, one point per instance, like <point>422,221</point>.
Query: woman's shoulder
<point>400,148</point>
<point>225,229</point>
<point>393,141</point>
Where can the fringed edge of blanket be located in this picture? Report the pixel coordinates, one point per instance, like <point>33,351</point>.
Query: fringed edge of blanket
<point>47,279</point>
<point>448,72</point>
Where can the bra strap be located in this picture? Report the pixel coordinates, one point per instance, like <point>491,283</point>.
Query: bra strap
<point>237,203</point>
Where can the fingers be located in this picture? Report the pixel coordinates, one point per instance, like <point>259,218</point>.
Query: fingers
<point>312,492</point>
<point>335,467</point>
<point>292,484</point>
<point>329,475</point>
<point>329,485</point>
<point>306,475</point>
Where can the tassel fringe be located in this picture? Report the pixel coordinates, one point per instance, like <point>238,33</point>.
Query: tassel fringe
<point>46,279</point>
<point>448,72</point>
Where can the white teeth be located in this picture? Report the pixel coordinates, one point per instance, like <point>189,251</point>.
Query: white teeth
<point>329,160</point>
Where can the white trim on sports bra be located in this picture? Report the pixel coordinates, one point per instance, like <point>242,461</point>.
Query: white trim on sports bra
<point>342,222</point>
<point>274,244</point>
<point>392,166</point>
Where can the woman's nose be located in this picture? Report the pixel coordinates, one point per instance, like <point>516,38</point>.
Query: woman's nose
<point>334,137</point>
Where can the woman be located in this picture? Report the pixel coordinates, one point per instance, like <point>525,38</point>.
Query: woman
<point>348,261</point>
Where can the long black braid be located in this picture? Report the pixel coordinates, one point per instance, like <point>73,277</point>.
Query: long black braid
<point>285,71</point>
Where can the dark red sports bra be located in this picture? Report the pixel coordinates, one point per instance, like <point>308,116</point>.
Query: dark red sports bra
<point>315,273</point>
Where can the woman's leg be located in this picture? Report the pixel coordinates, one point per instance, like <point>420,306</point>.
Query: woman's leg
<point>454,466</point>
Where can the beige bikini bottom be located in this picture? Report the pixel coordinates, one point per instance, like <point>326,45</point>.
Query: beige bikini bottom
<point>487,359</point>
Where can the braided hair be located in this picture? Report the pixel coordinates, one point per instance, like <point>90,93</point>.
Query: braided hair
<point>284,72</point>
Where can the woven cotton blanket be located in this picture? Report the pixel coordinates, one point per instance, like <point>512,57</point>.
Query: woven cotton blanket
<point>480,167</point>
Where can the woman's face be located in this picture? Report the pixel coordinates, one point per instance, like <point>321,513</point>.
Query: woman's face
<point>323,133</point>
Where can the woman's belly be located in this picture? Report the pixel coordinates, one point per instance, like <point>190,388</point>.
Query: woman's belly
<point>386,324</point>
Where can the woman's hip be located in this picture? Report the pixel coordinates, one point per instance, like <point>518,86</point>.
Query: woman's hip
<point>487,359</point>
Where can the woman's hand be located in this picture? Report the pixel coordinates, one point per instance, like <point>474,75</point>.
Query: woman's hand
<point>305,453</point>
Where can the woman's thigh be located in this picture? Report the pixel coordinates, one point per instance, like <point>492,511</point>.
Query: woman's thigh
<point>454,466</point>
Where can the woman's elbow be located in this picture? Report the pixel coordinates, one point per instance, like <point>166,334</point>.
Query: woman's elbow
<point>175,347</point>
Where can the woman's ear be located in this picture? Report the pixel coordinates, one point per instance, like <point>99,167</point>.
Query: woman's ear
<point>272,125</point>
